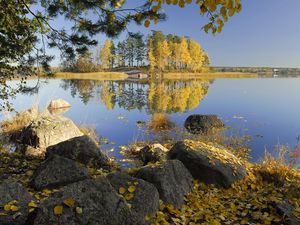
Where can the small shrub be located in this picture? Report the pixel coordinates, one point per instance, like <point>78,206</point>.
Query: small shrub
<point>160,122</point>
<point>277,169</point>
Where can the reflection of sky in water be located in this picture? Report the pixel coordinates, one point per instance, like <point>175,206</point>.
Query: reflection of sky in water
<point>267,109</point>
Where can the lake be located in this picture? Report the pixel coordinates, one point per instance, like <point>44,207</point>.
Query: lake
<point>266,109</point>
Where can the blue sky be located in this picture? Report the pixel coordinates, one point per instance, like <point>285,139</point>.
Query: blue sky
<point>265,33</point>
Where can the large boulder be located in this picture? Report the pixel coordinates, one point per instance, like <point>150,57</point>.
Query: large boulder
<point>58,104</point>
<point>45,131</point>
<point>207,163</point>
<point>153,153</point>
<point>171,179</point>
<point>81,149</point>
<point>202,124</point>
<point>57,171</point>
<point>94,202</point>
<point>12,195</point>
<point>142,196</point>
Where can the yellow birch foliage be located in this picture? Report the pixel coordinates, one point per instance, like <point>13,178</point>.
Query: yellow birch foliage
<point>105,54</point>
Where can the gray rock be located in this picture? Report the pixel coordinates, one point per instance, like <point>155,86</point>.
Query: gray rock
<point>98,200</point>
<point>152,153</point>
<point>57,171</point>
<point>9,191</point>
<point>286,210</point>
<point>81,149</point>
<point>47,130</point>
<point>58,104</point>
<point>209,164</point>
<point>202,124</point>
<point>145,199</point>
<point>171,179</point>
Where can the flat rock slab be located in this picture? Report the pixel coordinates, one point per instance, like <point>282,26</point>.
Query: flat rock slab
<point>202,124</point>
<point>81,149</point>
<point>48,130</point>
<point>171,179</point>
<point>57,171</point>
<point>10,191</point>
<point>143,196</point>
<point>95,203</point>
<point>209,164</point>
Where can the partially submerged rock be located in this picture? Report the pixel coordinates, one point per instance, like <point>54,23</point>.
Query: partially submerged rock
<point>58,104</point>
<point>153,153</point>
<point>82,149</point>
<point>94,202</point>
<point>14,198</point>
<point>45,131</point>
<point>202,124</point>
<point>57,171</point>
<point>171,179</point>
<point>209,164</point>
<point>142,196</point>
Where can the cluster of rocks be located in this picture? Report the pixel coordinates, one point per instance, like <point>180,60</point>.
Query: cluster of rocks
<point>116,198</point>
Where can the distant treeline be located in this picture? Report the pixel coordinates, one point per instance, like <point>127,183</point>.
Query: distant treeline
<point>260,70</point>
<point>157,52</point>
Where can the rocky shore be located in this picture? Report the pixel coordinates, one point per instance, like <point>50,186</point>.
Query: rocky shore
<point>58,175</point>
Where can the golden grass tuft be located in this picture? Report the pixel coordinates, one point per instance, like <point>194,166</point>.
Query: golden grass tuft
<point>277,169</point>
<point>160,122</point>
<point>19,121</point>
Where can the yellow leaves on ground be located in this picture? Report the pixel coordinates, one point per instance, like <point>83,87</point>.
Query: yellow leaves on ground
<point>131,188</point>
<point>128,197</point>
<point>127,193</point>
<point>250,201</point>
<point>11,206</point>
<point>122,190</point>
<point>32,206</point>
<point>58,210</point>
<point>69,202</point>
<point>78,210</point>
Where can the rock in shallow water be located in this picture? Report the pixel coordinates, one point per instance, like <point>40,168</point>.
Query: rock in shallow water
<point>202,124</point>
<point>57,171</point>
<point>171,179</point>
<point>208,163</point>
<point>58,104</point>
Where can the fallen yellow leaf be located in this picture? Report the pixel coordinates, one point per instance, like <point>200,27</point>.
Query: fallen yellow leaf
<point>131,188</point>
<point>69,202</point>
<point>58,210</point>
<point>122,190</point>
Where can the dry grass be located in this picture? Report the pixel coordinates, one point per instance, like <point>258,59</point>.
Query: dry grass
<point>18,122</point>
<point>92,76</point>
<point>160,122</point>
<point>277,169</point>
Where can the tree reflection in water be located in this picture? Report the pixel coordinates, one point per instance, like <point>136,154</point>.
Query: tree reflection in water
<point>166,96</point>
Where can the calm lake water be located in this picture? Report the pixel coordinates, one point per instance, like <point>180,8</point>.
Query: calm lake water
<point>267,109</point>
